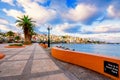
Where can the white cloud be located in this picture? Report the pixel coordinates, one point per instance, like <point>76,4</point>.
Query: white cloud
<point>100,29</point>
<point>107,26</point>
<point>13,13</point>
<point>61,27</point>
<point>59,5</point>
<point>9,27</point>
<point>15,28</point>
<point>108,37</point>
<point>41,1</point>
<point>81,12</point>
<point>4,28</point>
<point>8,2</point>
<point>3,21</point>
<point>113,12</point>
<point>37,12</point>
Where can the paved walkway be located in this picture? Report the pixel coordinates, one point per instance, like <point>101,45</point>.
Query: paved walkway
<point>34,63</point>
<point>30,63</point>
<point>75,72</point>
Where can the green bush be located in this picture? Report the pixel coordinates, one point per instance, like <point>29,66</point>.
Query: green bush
<point>16,45</point>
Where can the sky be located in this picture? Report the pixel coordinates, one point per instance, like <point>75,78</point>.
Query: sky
<point>94,19</point>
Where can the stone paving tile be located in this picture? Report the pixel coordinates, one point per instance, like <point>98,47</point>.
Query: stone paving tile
<point>9,53</point>
<point>40,78</point>
<point>40,51</point>
<point>28,51</point>
<point>20,57</point>
<point>3,50</point>
<point>60,76</point>
<point>6,56</point>
<point>43,66</point>
<point>25,53</point>
<point>12,68</point>
<point>39,56</point>
<point>16,50</point>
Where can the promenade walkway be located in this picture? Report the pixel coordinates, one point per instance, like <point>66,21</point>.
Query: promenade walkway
<point>30,63</point>
<point>34,63</point>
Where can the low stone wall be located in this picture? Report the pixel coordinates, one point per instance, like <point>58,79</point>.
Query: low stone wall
<point>105,65</point>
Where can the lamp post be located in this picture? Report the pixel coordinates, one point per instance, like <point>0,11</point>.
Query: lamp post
<point>49,28</point>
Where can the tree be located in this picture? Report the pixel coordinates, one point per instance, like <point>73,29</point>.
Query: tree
<point>27,25</point>
<point>17,38</point>
<point>10,34</point>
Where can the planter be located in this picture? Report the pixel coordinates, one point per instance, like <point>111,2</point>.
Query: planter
<point>2,55</point>
<point>14,46</point>
<point>44,45</point>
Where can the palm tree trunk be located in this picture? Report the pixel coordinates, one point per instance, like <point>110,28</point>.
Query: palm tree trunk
<point>27,38</point>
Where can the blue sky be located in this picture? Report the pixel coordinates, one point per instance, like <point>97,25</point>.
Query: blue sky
<point>96,19</point>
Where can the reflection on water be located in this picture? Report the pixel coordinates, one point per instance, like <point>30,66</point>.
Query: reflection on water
<point>104,49</point>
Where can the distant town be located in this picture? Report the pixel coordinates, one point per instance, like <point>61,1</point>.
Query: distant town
<point>10,37</point>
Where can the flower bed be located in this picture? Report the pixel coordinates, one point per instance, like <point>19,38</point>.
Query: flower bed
<point>15,46</point>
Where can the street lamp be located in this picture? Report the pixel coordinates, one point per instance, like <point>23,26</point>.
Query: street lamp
<point>49,28</point>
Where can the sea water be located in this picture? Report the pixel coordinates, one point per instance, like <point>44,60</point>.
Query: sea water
<point>103,49</point>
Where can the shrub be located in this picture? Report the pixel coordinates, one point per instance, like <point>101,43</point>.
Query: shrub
<point>16,45</point>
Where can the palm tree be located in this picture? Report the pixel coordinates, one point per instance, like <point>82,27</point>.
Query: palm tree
<point>27,25</point>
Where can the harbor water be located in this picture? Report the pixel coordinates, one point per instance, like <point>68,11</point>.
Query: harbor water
<point>112,50</point>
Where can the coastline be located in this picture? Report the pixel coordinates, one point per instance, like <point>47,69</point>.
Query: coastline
<point>78,72</point>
